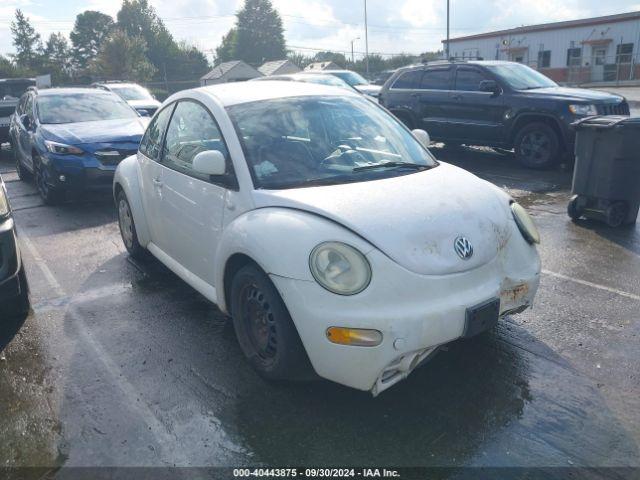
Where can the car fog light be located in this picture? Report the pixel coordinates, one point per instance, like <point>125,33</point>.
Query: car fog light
<point>356,337</point>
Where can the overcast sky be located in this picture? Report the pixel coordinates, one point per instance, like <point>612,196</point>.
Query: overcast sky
<point>411,26</point>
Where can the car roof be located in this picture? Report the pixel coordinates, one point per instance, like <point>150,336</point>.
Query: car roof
<point>244,92</point>
<point>71,91</point>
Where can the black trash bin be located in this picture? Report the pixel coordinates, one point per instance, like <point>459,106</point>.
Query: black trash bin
<point>606,177</point>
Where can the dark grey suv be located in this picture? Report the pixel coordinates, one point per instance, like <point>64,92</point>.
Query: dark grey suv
<point>497,104</point>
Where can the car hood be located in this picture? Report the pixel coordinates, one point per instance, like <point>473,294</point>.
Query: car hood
<point>413,219</point>
<point>373,90</point>
<point>121,130</point>
<point>144,103</point>
<point>576,94</point>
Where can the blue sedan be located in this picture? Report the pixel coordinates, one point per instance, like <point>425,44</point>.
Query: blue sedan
<point>72,139</point>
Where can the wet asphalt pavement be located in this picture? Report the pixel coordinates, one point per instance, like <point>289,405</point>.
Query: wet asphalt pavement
<point>121,364</point>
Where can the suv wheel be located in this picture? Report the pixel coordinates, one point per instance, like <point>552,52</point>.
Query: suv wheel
<point>23,173</point>
<point>264,328</point>
<point>537,146</point>
<point>49,195</point>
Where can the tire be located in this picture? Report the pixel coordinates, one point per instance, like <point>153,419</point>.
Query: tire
<point>128,228</point>
<point>18,308</point>
<point>48,194</point>
<point>537,146</point>
<point>616,214</point>
<point>23,173</point>
<point>573,210</point>
<point>265,331</point>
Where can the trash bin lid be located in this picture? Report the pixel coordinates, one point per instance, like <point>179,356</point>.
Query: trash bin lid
<point>607,121</point>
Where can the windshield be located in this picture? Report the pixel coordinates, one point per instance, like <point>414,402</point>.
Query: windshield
<point>82,107</point>
<point>352,78</point>
<point>304,141</point>
<point>323,80</point>
<point>132,92</point>
<point>521,77</point>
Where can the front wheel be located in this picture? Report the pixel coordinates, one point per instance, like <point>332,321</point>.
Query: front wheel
<point>264,328</point>
<point>23,173</point>
<point>128,228</point>
<point>48,194</point>
<point>537,146</point>
<point>616,214</point>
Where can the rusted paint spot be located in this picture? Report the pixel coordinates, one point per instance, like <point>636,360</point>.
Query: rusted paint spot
<point>515,293</point>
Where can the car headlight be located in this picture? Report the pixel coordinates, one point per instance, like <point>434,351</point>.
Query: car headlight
<point>4,203</point>
<point>61,148</point>
<point>583,109</point>
<point>340,268</point>
<point>525,223</point>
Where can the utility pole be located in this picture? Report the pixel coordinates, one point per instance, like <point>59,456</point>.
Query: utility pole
<point>448,11</point>
<point>366,38</point>
<point>353,58</point>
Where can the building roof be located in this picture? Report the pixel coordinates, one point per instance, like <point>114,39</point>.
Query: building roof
<point>222,69</point>
<point>621,17</point>
<point>269,68</point>
<point>244,92</point>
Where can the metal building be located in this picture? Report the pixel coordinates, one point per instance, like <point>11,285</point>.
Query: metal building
<point>590,50</point>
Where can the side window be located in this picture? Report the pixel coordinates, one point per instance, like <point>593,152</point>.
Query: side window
<point>152,139</point>
<point>468,79</point>
<point>408,80</point>
<point>192,130</point>
<point>435,79</point>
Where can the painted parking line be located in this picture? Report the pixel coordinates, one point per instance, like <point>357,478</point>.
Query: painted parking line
<point>622,293</point>
<point>164,438</point>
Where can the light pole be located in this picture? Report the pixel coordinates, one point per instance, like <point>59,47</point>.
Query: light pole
<point>448,10</point>
<point>353,58</point>
<point>366,38</point>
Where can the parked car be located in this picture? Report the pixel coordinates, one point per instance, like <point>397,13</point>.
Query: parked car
<point>135,95</point>
<point>14,289</point>
<point>357,81</point>
<point>497,104</point>
<point>11,89</point>
<point>72,139</point>
<point>325,228</point>
<point>315,77</point>
<point>382,77</point>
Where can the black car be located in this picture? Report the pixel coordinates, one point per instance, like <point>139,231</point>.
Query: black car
<point>10,91</point>
<point>14,290</point>
<point>497,104</point>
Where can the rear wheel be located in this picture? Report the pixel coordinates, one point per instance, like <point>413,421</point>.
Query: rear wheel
<point>537,146</point>
<point>573,209</point>
<point>616,214</point>
<point>49,195</point>
<point>264,327</point>
<point>128,228</point>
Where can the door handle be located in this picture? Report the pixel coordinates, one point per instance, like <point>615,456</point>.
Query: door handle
<point>157,182</point>
<point>456,97</point>
<point>415,95</point>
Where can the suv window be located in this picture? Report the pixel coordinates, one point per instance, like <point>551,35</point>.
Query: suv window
<point>436,79</point>
<point>152,139</point>
<point>192,130</point>
<point>408,80</point>
<point>468,79</point>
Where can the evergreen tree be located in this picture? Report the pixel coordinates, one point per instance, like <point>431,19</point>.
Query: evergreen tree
<point>27,42</point>
<point>259,33</point>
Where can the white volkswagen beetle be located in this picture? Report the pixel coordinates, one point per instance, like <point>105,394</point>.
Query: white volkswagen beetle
<point>325,228</point>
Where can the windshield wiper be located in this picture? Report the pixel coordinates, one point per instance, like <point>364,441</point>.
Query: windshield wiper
<point>413,166</point>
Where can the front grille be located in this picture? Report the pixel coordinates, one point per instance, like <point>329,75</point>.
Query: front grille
<point>614,109</point>
<point>113,157</point>
<point>7,111</point>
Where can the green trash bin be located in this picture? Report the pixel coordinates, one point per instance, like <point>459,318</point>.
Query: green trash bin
<point>606,176</point>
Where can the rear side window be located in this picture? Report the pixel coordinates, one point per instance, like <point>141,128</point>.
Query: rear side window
<point>408,80</point>
<point>468,79</point>
<point>435,79</point>
<point>152,140</point>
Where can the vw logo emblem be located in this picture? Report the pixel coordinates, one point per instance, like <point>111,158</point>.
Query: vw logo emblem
<point>463,248</point>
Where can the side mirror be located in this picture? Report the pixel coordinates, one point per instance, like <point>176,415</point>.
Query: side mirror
<point>490,86</point>
<point>422,136</point>
<point>25,121</point>
<point>210,162</point>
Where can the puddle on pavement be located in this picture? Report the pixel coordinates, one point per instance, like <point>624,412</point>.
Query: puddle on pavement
<point>30,431</point>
